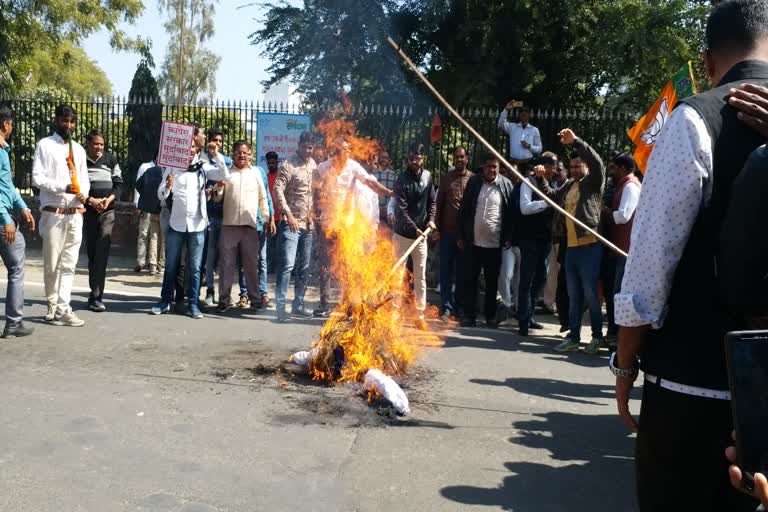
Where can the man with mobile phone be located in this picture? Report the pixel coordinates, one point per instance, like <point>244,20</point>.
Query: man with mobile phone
<point>669,306</point>
<point>524,138</point>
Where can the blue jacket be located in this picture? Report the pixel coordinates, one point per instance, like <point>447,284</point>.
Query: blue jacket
<point>147,187</point>
<point>10,198</point>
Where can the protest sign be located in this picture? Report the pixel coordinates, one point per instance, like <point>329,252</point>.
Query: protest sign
<point>279,133</point>
<point>175,143</point>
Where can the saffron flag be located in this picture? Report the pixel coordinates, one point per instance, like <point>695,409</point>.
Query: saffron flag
<point>436,134</point>
<point>647,129</point>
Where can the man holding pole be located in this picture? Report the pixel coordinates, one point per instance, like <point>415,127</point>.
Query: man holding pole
<point>60,171</point>
<point>415,214</point>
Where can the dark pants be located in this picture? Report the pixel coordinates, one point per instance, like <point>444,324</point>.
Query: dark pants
<point>562,301</point>
<point>451,270</point>
<point>608,278</point>
<point>98,240</point>
<point>489,261</point>
<point>680,454</point>
<point>324,247</point>
<point>533,276</point>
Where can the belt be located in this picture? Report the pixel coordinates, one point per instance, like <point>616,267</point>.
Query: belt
<point>688,390</point>
<point>63,211</point>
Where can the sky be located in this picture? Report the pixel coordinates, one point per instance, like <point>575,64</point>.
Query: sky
<point>241,69</point>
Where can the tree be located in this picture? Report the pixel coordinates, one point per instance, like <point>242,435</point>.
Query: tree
<point>189,69</point>
<point>68,68</point>
<point>27,26</point>
<point>555,53</point>
<point>334,45</point>
<point>145,113</point>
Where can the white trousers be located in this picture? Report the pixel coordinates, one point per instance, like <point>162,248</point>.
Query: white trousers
<point>419,256</point>
<point>62,235</point>
<point>509,276</point>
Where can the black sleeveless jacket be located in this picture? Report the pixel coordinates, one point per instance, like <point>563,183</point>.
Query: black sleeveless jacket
<point>689,347</point>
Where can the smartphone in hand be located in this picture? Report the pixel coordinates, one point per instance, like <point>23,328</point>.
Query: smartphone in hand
<point>747,358</point>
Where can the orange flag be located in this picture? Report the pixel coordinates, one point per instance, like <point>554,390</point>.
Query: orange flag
<point>436,134</point>
<point>647,129</point>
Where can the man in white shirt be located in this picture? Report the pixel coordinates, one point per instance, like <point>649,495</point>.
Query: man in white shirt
<point>245,201</point>
<point>524,138</point>
<point>671,304</point>
<point>342,186</point>
<point>189,219</point>
<point>61,175</point>
<point>485,226</point>
<point>145,223</point>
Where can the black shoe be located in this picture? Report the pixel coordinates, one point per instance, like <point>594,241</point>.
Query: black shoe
<point>564,328</point>
<point>301,313</point>
<point>321,311</point>
<point>492,324</point>
<point>180,308</point>
<point>18,330</point>
<point>469,322</point>
<point>549,309</point>
<point>533,324</point>
<point>502,314</point>
<point>522,331</point>
<point>97,306</point>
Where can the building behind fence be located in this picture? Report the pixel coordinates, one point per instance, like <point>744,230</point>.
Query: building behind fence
<point>393,125</point>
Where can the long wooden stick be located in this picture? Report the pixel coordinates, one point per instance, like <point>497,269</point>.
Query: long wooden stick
<point>493,151</point>
<point>407,253</point>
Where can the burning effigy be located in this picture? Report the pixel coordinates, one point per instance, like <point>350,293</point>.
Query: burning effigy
<point>369,338</point>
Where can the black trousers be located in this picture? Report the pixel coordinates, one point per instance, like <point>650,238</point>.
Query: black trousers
<point>680,454</point>
<point>533,276</point>
<point>489,261</point>
<point>98,240</point>
<point>562,301</point>
<point>607,277</point>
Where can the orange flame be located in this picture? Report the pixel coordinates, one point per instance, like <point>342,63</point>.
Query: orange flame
<point>366,325</point>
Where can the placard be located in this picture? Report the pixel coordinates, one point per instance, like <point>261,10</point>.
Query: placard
<point>175,143</point>
<point>279,133</point>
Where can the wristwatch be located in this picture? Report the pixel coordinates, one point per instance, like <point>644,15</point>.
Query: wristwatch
<point>623,372</point>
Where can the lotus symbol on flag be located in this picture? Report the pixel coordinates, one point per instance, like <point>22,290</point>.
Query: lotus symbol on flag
<point>649,137</point>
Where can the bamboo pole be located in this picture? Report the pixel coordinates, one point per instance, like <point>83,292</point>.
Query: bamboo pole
<point>493,151</point>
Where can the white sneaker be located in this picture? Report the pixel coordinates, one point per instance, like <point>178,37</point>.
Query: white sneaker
<point>68,318</point>
<point>51,314</point>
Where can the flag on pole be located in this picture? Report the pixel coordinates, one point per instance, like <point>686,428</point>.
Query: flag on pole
<point>436,134</point>
<point>647,129</point>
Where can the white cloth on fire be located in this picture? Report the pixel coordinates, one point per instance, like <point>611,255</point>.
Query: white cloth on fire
<point>388,388</point>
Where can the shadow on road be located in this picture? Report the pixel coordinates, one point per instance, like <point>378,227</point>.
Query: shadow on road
<point>599,476</point>
<point>556,389</point>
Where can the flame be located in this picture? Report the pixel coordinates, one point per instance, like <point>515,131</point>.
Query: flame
<point>366,331</point>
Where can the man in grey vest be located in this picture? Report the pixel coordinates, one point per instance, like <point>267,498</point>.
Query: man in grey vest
<point>670,302</point>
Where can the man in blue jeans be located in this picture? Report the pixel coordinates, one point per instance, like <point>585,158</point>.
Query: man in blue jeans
<point>12,245</point>
<point>188,220</point>
<point>449,196</point>
<point>581,196</point>
<point>293,194</point>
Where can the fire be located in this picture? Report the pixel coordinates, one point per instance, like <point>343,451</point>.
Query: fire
<point>366,331</point>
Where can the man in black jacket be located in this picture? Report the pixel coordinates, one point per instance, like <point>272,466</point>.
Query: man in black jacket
<point>149,205</point>
<point>485,225</point>
<point>106,179</point>
<point>415,212</point>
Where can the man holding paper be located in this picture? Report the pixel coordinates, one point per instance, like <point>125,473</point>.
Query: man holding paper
<point>189,218</point>
<point>60,171</point>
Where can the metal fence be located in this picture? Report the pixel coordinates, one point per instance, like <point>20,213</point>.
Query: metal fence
<point>396,126</point>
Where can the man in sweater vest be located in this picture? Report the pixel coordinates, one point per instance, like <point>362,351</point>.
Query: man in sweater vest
<point>670,305</point>
<point>619,216</point>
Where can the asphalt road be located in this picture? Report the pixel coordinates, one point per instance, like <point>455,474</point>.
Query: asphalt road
<point>139,413</point>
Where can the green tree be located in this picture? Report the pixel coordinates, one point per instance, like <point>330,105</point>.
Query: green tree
<point>30,25</point>
<point>68,68</point>
<point>145,113</point>
<point>324,47</point>
<point>189,69</point>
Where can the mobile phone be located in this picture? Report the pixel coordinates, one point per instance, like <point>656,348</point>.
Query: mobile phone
<point>746,353</point>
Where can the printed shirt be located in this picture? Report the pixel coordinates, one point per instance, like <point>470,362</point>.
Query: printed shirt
<point>50,172</point>
<point>293,189</point>
<point>488,215</point>
<point>676,186</point>
<point>10,198</point>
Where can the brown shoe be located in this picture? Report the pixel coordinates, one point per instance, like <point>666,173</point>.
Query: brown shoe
<point>222,308</point>
<point>243,302</point>
<point>265,302</point>
<point>139,268</point>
